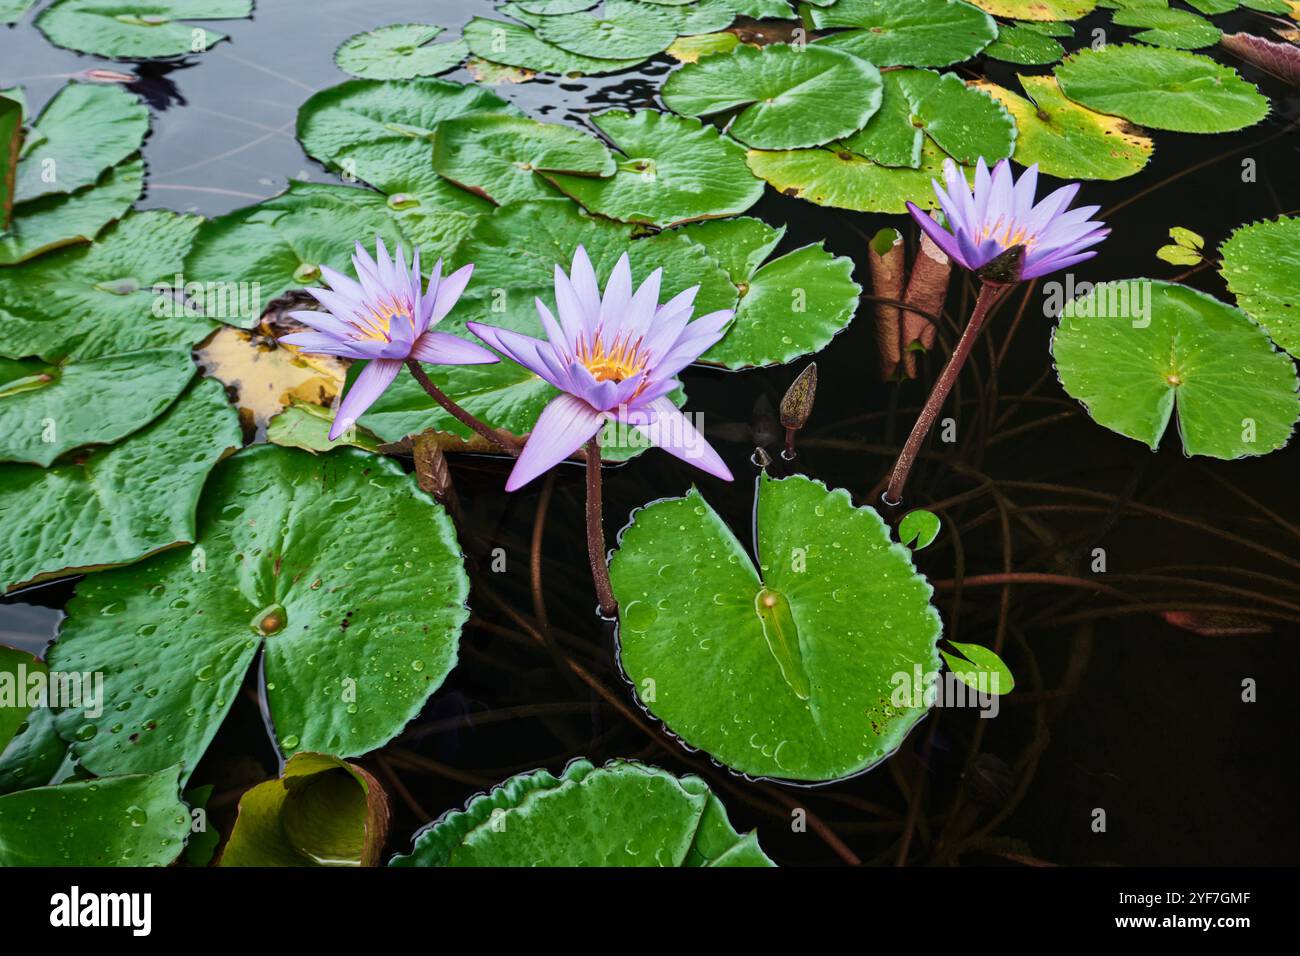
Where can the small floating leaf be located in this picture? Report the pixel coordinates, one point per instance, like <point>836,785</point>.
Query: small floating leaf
<point>804,689</point>
<point>399,52</point>
<point>980,669</point>
<point>1171,28</point>
<point>622,814</point>
<point>1261,264</point>
<point>906,32</point>
<point>1024,45</point>
<point>137,29</point>
<point>918,529</point>
<point>1134,352</point>
<point>307,426</point>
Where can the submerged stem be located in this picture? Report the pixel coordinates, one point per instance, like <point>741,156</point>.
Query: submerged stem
<point>508,444</point>
<point>596,532</point>
<point>991,293</point>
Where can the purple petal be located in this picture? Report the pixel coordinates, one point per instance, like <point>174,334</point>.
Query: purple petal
<point>940,236</point>
<point>672,431</point>
<point>583,278</point>
<point>449,291</point>
<point>564,426</point>
<point>442,348</point>
<point>523,349</point>
<point>323,344</point>
<point>370,384</point>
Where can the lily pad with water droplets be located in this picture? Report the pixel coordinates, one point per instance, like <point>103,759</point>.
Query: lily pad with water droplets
<point>1067,140</point>
<point>1167,27</point>
<point>965,122</point>
<point>135,820</point>
<point>504,157</point>
<point>788,669</point>
<point>1261,264</point>
<point>672,170</point>
<point>1047,10</point>
<point>1133,367</point>
<point>45,412</point>
<point>788,97</point>
<point>890,138</point>
<point>117,504</point>
<point>1162,89</point>
<point>513,44</point>
<point>307,426</point>
<point>625,29</point>
<point>63,219</point>
<point>137,29</point>
<point>792,306</point>
<point>622,814</point>
<point>906,32</point>
<point>105,298</point>
<point>281,243</point>
<point>402,51</point>
<point>1023,45</point>
<point>357,629</point>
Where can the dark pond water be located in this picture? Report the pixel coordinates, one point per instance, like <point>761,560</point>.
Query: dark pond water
<point>1117,711</point>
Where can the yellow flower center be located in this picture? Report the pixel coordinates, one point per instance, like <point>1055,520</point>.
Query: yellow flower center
<point>617,362</point>
<point>1007,234</point>
<point>377,323</point>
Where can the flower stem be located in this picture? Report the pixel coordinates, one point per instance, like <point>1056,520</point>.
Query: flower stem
<point>991,293</point>
<point>596,532</point>
<point>507,443</point>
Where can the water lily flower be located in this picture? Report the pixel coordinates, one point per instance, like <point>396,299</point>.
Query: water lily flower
<point>613,357</point>
<point>1001,214</point>
<point>385,318</point>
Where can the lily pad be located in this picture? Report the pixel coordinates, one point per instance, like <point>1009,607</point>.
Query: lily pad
<point>1023,45</point>
<point>906,32</point>
<point>36,757</point>
<point>672,170</point>
<point>322,811</point>
<point>789,669</point>
<point>17,668</point>
<point>622,814</point>
<point>1170,28</point>
<point>399,52</point>
<point>85,129</point>
<point>1049,10</point>
<point>1261,264</point>
<point>890,138</point>
<point>1234,394</point>
<point>964,121</point>
<point>137,29</point>
<point>500,157</point>
<point>307,426</point>
<point>62,219</point>
<point>105,298</point>
<point>135,820</point>
<point>281,243</point>
<point>1162,89</point>
<point>790,307</point>
<point>120,503</point>
<point>788,96</point>
<point>835,176</point>
<point>624,30</point>
<point>11,11</point>
<point>1067,140</point>
<point>357,630</point>
<point>980,668</point>
<point>47,410</point>
<point>691,49</point>
<point>515,45</point>
<point>553,7</point>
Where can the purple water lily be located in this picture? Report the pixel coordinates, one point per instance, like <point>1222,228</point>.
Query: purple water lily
<point>384,318</point>
<point>612,357</point>
<point>1001,214</point>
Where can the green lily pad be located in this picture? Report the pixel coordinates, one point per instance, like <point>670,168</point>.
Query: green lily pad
<point>790,307</point>
<point>1067,140</point>
<point>515,45</point>
<point>37,755</point>
<point>85,129</point>
<point>787,96</point>
<point>1162,89</point>
<point>322,811</point>
<point>1170,28</point>
<point>357,629</point>
<point>706,16</point>
<point>964,121</point>
<point>918,529</point>
<point>57,220</point>
<point>1261,264</point>
<point>106,298</point>
<point>1021,44</point>
<point>46,410</point>
<point>281,243</point>
<point>399,52</point>
<point>1234,394</point>
<point>500,156</point>
<point>17,670</point>
<point>834,176</point>
<point>672,170</point>
<point>553,7</point>
<point>307,426</point>
<point>789,669</point>
<point>691,49</point>
<point>137,29</point>
<point>135,820</point>
<point>626,29</point>
<point>11,11</point>
<point>890,138</point>
<point>763,9</point>
<point>119,503</point>
<point>1049,10</point>
<point>980,668</point>
<point>622,814</point>
<point>906,32</point>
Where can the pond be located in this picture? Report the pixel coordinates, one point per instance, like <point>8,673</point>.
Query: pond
<point>1144,599</point>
